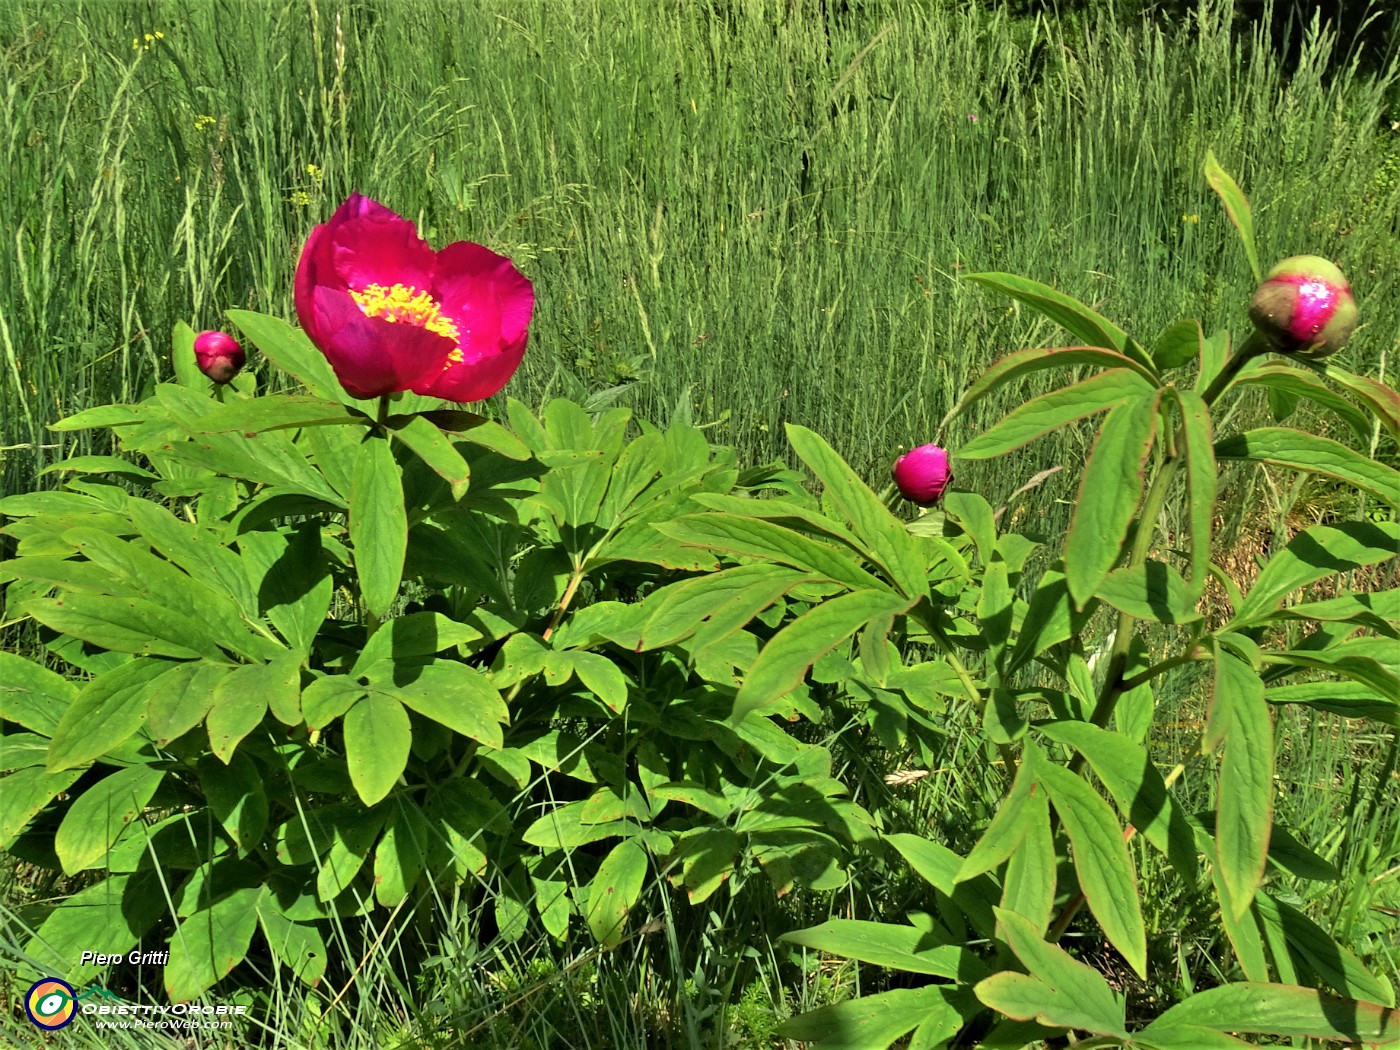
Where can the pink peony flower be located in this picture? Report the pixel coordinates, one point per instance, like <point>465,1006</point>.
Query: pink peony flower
<point>1304,307</point>
<point>391,314</point>
<point>921,474</point>
<point>218,355</point>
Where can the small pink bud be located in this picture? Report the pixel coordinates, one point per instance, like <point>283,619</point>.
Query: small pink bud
<point>1304,307</point>
<point>219,356</point>
<point>921,474</point>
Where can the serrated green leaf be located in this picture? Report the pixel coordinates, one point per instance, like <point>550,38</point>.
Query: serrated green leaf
<point>1109,495</point>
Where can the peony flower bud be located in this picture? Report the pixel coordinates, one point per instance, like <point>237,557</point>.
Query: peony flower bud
<point>1304,307</point>
<point>921,474</point>
<point>219,356</point>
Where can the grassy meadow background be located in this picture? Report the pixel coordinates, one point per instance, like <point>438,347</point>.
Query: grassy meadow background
<point>743,212</point>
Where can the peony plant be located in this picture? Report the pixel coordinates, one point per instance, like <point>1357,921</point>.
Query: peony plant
<point>337,653</point>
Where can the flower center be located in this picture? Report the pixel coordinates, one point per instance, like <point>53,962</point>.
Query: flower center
<point>404,303</point>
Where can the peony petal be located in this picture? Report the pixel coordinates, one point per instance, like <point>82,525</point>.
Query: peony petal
<point>379,250</point>
<point>372,356</point>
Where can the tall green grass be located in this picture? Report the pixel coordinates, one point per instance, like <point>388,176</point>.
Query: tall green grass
<point>759,210</point>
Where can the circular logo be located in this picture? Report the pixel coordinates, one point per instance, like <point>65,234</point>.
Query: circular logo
<point>51,1004</point>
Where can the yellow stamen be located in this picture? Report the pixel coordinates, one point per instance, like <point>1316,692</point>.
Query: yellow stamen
<point>398,302</point>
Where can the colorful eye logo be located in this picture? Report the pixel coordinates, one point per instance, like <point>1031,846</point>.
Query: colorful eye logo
<point>51,1004</point>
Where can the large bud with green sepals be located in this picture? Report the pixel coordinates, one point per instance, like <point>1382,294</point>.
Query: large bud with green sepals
<point>1304,307</point>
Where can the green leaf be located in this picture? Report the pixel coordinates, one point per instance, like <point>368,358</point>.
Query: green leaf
<point>1061,991</point>
<point>1185,1037</point>
<point>890,546</point>
<point>1023,362</point>
<point>614,891</point>
<point>1137,787</point>
<point>399,857</point>
<point>937,865</point>
<point>288,573</point>
<point>1050,412</point>
<point>236,798</point>
<point>32,695</point>
<point>1294,382</point>
<point>1089,327</point>
<point>893,946</point>
<point>125,625</point>
<point>290,350</point>
<point>327,698</point>
<point>115,912</point>
<point>1028,888</point>
<point>1102,862</point>
<point>300,948</point>
<point>1324,955</point>
<point>1382,401</point>
<point>378,524</point>
<point>785,659</point>
<point>1198,449</point>
<point>276,412</point>
<point>755,538</point>
<point>1178,345</point>
<point>1009,826</point>
<point>99,816</point>
<point>1237,207</point>
<point>1151,590</point>
<point>418,634</point>
<point>26,792</point>
<point>107,712</point>
<point>210,943</point>
<point>433,447</point>
<point>1049,620</point>
<point>1284,1010</point>
<point>1246,795</point>
<point>1285,447</point>
<point>337,838</point>
<point>719,603</point>
<point>874,1022</point>
<point>1349,699</point>
<point>104,416</point>
<point>1108,495</point>
<point>1313,554</point>
<point>455,695</point>
<point>377,739</point>
<point>240,701</point>
<point>99,465</point>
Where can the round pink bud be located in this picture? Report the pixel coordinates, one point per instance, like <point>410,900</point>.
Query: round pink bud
<point>921,474</point>
<point>219,356</point>
<point>1304,307</point>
